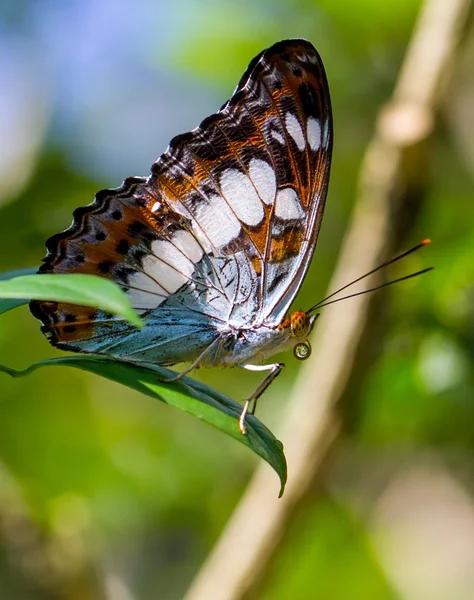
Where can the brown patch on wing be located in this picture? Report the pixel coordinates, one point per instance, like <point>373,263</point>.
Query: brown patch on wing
<point>287,246</point>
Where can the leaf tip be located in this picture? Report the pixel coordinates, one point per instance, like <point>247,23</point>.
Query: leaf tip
<point>134,319</point>
<point>282,489</point>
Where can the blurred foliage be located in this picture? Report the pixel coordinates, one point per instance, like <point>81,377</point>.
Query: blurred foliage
<point>143,491</point>
<point>185,393</point>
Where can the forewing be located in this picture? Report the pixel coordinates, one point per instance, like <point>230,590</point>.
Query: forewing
<point>289,80</point>
<point>253,177</point>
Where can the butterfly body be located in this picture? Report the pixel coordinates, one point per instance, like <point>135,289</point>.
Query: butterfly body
<point>183,339</point>
<point>213,246</point>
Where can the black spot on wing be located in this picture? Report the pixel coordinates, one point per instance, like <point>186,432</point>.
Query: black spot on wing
<point>122,247</point>
<point>309,100</point>
<point>136,228</point>
<point>105,267</point>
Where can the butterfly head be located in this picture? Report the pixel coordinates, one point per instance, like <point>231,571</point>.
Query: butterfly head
<point>300,324</point>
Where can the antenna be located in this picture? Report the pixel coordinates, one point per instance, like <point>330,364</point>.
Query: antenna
<point>324,301</point>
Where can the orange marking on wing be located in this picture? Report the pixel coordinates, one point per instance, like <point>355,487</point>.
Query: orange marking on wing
<point>66,323</point>
<point>257,265</point>
<point>286,246</point>
<point>80,326</point>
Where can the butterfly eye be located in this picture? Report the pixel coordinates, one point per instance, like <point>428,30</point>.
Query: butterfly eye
<point>302,350</point>
<point>301,324</point>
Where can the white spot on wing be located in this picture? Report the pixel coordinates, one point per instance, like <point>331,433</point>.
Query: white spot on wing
<point>140,298</point>
<point>287,205</point>
<point>156,206</point>
<point>278,137</point>
<point>239,192</point>
<point>198,233</point>
<point>294,129</point>
<point>263,177</point>
<point>167,265</point>
<point>188,245</point>
<point>313,131</point>
<point>217,221</point>
<point>148,293</point>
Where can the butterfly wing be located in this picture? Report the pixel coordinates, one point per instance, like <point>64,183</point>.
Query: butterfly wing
<point>131,237</point>
<point>285,91</point>
<point>253,177</point>
<point>220,235</point>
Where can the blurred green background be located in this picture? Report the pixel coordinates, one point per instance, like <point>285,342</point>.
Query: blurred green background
<point>101,488</point>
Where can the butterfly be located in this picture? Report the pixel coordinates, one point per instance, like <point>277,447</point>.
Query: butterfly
<point>213,246</point>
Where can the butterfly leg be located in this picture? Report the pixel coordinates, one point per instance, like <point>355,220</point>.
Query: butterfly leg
<point>194,364</point>
<point>275,370</point>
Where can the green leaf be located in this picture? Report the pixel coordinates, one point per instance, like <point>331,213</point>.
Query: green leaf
<point>6,305</point>
<point>84,290</point>
<point>187,394</point>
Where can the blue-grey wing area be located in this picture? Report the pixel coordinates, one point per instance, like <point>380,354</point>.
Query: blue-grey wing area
<point>169,337</point>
